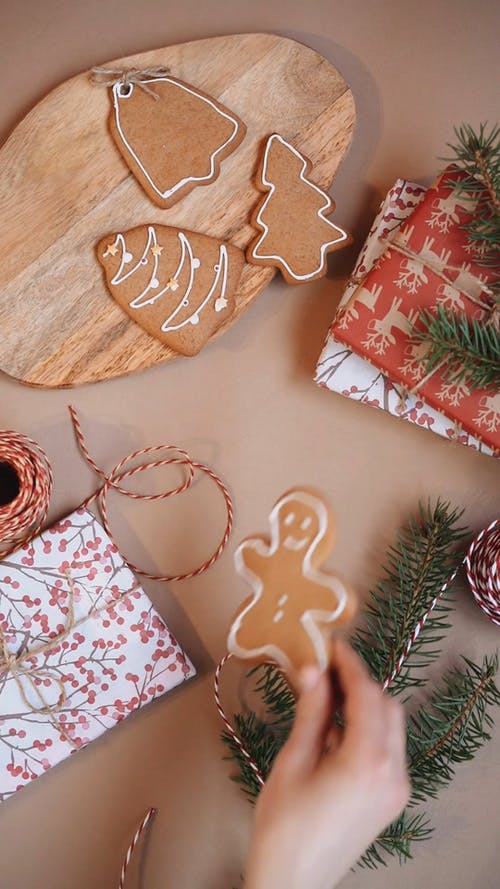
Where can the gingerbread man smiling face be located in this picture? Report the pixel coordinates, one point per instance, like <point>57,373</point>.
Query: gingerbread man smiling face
<point>294,605</point>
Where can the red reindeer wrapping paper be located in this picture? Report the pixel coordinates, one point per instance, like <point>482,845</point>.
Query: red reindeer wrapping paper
<point>81,647</point>
<point>429,262</point>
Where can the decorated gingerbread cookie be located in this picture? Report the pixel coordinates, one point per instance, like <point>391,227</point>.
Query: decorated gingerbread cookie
<point>296,235</point>
<point>172,136</point>
<point>177,285</point>
<point>294,605</point>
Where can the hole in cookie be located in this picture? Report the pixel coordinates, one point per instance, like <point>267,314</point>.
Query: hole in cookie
<point>9,483</point>
<point>125,90</point>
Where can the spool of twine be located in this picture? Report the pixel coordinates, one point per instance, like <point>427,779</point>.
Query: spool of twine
<point>25,488</point>
<point>482,564</point>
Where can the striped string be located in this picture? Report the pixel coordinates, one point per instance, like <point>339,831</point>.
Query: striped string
<point>419,627</point>
<point>483,570</point>
<point>482,564</point>
<point>118,473</point>
<point>135,839</point>
<point>237,740</point>
<point>21,519</point>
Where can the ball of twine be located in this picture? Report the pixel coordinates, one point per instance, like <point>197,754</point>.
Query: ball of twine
<point>21,517</point>
<point>482,564</point>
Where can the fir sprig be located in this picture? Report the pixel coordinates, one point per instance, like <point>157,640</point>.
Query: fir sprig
<point>397,839</point>
<point>263,745</point>
<point>477,154</point>
<point>418,566</point>
<point>452,727</point>
<point>263,737</point>
<point>468,351</point>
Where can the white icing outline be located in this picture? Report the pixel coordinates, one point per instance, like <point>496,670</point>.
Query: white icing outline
<point>311,617</point>
<point>320,213</point>
<point>221,268</point>
<point>165,195</point>
<point>222,265</point>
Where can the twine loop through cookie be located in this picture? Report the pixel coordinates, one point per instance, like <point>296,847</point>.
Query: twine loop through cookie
<point>129,77</point>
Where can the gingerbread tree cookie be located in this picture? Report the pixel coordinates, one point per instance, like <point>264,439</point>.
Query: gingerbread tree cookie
<point>178,285</point>
<point>294,604</point>
<point>295,232</point>
<point>171,135</point>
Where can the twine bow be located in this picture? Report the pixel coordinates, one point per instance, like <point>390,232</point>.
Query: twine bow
<point>17,663</point>
<point>129,76</point>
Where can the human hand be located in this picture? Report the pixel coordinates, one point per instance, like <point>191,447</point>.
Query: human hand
<point>331,791</point>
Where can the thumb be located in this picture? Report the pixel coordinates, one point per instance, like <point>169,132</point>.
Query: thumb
<point>312,721</point>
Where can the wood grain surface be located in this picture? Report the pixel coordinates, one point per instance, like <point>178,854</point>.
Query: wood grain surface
<point>63,186</point>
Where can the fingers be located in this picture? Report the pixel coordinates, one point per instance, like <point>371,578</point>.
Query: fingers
<point>365,704</point>
<point>312,722</point>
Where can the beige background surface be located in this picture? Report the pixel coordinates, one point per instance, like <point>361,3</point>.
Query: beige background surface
<point>248,406</point>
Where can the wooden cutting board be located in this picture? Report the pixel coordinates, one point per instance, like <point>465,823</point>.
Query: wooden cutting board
<point>64,185</point>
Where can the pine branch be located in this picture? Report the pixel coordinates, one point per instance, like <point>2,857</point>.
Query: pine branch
<point>469,351</point>
<point>264,737</point>
<point>397,840</point>
<point>477,155</point>
<point>263,745</point>
<point>452,727</point>
<point>277,696</point>
<point>418,565</point>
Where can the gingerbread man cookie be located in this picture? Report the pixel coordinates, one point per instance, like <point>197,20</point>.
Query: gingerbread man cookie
<point>294,604</point>
<point>296,234</point>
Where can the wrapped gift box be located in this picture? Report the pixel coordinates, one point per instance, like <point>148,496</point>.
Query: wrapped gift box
<point>341,369</point>
<point>81,647</point>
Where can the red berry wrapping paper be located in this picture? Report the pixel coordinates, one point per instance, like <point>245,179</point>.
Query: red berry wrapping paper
<point>81,647</point>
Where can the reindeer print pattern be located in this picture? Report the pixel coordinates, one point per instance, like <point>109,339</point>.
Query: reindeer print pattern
<point>370,354</point>
<point>380,330</point>
<point>489,412</point>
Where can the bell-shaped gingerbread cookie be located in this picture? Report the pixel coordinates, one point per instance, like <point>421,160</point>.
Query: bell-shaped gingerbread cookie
<point>171,135</point>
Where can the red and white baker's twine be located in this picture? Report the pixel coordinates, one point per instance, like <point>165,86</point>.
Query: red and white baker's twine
<point>22,519</point>
<point>23,516</point>
<point>135,839</point>
<point>251,762</point>
<point>118,473</point>
<point>482,564</point>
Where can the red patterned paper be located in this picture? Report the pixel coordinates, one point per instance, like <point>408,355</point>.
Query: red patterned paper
<point>118,656</point>
<point>434,265</point>
<point>434,232</point>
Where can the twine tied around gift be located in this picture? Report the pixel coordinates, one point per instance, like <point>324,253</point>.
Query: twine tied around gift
<point>489,305</point>
<point>129,77</point>
<point>17,663</point>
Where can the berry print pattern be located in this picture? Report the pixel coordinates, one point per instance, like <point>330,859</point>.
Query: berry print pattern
<point>118,655</point>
